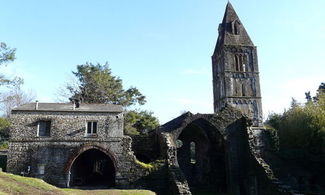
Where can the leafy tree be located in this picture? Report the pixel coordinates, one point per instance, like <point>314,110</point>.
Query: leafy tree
<point>96,84</point>
<point>320,91</point>
<point>302,127</point>
<point>6,55</point>
<point>4,128</point>
<point>140,122</point>
<point>273,120</point>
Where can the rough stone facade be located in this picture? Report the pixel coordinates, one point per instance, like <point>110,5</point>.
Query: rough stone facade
<point>235,69</point>
<point>224,159</point>
<point>54,157</point>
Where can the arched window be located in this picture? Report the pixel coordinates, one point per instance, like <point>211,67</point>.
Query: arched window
<point>193,152</point>
<point>236,67</point>
<point>245,67</point>
<point>235,27</point>
<point>243,90</point>
<point>241,62</point>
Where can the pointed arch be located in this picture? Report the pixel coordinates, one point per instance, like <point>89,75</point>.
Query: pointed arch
<point>235,27</point>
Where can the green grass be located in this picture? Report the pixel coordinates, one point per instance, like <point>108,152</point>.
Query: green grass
<point>14,184</point>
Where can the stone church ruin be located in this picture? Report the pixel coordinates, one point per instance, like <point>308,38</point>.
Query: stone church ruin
<point>83,145</point>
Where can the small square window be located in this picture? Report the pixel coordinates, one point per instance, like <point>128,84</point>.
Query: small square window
<point>44,128</point>
<point>41,169</point>
<point>91,128</point>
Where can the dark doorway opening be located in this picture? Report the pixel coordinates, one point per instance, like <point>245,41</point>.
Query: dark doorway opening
<point>93,169</point>
<point>143,158</point>
<point>201,156</point>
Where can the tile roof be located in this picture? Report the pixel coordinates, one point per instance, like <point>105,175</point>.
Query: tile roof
<point>68,107</point>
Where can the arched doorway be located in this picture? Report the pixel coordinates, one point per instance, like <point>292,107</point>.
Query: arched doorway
<point>201,157</point>
<point>92,168</point>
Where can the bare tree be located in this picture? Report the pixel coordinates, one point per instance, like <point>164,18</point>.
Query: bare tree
<point>13,98</point>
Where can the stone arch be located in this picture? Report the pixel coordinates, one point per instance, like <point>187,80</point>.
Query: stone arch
<point>230,125</point>
<point>204,117</point>
<point>86,147</point>
<point>91,166</point>
<point>208,170</point>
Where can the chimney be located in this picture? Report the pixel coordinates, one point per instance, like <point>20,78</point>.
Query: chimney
<point>36,105</point>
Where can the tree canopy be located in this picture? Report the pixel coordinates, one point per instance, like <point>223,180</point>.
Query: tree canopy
<point>14,95</point>
<point>302,126</point>
<point>6,55</point>
<point>96,84</point>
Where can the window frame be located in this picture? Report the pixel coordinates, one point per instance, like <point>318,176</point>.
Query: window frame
<point>41,169</point>
<point>93,123</point>
<point>48,124</point>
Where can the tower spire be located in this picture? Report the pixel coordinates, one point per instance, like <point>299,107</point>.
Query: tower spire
<point>231,30</point>
<point>235,69</point>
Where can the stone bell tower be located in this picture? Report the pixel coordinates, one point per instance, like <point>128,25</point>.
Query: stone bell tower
<point>235,69</point>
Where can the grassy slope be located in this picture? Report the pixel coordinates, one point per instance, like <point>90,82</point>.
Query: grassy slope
<point>14,184</point>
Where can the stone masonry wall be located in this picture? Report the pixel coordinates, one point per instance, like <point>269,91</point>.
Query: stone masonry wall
<point>66,141</point>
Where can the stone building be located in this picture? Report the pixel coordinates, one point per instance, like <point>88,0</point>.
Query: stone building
<point>70,144</point>
<point>235,69</point>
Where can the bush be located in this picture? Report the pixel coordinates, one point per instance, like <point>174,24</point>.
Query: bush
<point>4,128</point>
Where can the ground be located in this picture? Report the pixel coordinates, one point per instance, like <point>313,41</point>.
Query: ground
<point>13,184</point>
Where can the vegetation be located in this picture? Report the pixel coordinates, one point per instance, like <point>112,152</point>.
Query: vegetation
<point>14,97</point>
<point>4,128</point>
<point>96,84</point>
<point>13,184</point>
<point>6,55</point>
<point>142,122</point>
<point>298,136</point>
<point>4,134</point>
<point>155,165</point>
<point>302,127</point>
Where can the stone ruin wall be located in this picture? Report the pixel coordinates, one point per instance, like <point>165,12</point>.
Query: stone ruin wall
<point>67,140</point>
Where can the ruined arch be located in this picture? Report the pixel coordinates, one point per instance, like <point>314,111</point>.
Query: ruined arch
<point>207,169</point>
<point>228,141</point>
<point>91,166</point>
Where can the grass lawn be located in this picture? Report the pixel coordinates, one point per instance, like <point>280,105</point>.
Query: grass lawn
<point>14,184</point>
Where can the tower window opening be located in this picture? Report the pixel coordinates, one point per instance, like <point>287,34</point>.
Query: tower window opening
<point>237,62</point>
<point>193,152</point>
<point>235,27</point>
<point>241,63</point>
<point>245,68</point>
<point>243,90</point>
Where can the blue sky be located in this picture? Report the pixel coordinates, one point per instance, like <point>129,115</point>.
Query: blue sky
<point>164,48</point>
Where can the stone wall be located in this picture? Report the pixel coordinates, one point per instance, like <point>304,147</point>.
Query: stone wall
<point>67,140</point>
<point>246,172</point>
<point>65,125</point>
<point>146,147</point>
